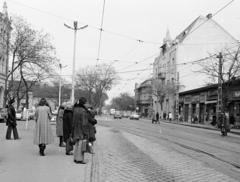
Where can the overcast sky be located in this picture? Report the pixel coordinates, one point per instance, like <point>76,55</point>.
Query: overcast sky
<point>146,20</point>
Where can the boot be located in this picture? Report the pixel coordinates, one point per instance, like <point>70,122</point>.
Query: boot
<point>61,142</point>
<point>41,149</point>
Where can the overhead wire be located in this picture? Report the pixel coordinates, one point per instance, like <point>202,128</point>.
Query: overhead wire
<point>89,25</point>
<point>138,62</point>
<point>41,11</point>
<point>217,12</point>
<point>100,33</point>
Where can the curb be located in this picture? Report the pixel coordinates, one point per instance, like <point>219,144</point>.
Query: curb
<point>203,127</point>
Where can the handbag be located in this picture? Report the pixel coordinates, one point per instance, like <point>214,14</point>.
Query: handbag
<point>90,148</point>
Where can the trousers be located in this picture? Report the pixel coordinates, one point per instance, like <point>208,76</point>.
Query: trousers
<point>9,132</point>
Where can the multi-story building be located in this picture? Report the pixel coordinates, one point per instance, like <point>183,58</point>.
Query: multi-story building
<point>176,68</point>
<point>143,98</point>
<point>5,29</point>
<point>200,105</point>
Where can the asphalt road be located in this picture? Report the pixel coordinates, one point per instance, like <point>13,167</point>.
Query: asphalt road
<point>206,146</point>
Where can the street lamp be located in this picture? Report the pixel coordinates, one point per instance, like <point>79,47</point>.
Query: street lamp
<point>75,28</point>
<point>60,84</point>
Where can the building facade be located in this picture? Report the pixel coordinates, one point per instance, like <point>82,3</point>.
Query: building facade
<point>143,98</point>
<point>175,68</point>
<point>5,29</point>
<point>200,105</point>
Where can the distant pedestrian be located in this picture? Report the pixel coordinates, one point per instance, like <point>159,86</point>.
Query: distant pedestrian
<point>157,118</point>
<point>164,116</point>
<point>59,125</point>
<point>11,121</point>
<point>153,118</point>
<point>170,116</point>
<point>80,124</point>
<point>43,133</point>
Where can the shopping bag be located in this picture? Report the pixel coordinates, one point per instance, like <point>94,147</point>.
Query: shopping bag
<point>84,145</point>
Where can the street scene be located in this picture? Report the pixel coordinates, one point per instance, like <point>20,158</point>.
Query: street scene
<point>120,91</point>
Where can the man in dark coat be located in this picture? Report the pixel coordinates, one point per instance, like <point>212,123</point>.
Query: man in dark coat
<point>67,128</point>
<point>80,129</point>
<point>157,118</point>
<point>11,121</point>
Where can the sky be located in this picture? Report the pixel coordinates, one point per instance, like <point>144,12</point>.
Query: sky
<point>126,22</point>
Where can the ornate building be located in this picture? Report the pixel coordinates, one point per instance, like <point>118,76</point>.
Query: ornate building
<point>5,29</point>
<point>143,98</point>
<point>173,69</point>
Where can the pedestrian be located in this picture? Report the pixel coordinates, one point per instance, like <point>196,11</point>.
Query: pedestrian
<point>157,117</point>
<point>170,116</point>
<point>67,128</point>
<point>80,125</point>
<point>164,115</point>
<point>153,118</point>
<point>91,128</point>
<point>43,133</point>
<point>59,125</point>
<point>11,121</point>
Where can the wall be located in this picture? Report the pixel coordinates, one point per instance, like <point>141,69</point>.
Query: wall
<point>207,40</point>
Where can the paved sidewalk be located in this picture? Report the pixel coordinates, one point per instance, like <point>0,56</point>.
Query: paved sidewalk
<point>20,161</point>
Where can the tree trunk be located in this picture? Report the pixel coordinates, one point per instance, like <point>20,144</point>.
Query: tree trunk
<point>26,86</point>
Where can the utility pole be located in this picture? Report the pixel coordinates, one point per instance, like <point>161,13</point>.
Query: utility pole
<point>177,97</point>
<point>75,29</point>
<point>60,85</point>
<point>220,98</point>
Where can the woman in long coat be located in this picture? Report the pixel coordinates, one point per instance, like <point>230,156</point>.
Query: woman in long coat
<point>43,133</point>
<point>80,124</point>
<point>59,125</point>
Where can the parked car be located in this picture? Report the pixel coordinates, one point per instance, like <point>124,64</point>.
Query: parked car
<point>125,115</point>
<point>134,116</point>
<point>3,114</point>
<point>18,114</point>
<point>31,114</point>
<point>117,115</point>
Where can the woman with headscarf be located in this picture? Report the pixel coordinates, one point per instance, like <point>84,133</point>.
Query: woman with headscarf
<point>59,125</point>
<point>43,133</point>
<point>80,128</point>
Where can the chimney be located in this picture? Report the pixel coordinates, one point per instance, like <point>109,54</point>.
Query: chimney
<point>209,16</point>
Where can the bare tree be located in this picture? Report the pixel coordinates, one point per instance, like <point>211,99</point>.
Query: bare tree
<point>230,70</point>
<point>32,55</point>
<point>124,102</point>
<point>162,90</point>
<point>86,80</point>
<point>97,80</point>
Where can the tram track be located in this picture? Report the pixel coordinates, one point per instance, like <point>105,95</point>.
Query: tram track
<point>186,144</point>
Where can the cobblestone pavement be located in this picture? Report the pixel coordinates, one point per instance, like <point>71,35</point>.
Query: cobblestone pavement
<point>123,157</point>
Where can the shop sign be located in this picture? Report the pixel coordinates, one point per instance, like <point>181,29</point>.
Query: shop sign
<point>187,99</point>
<point>195,98</point>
